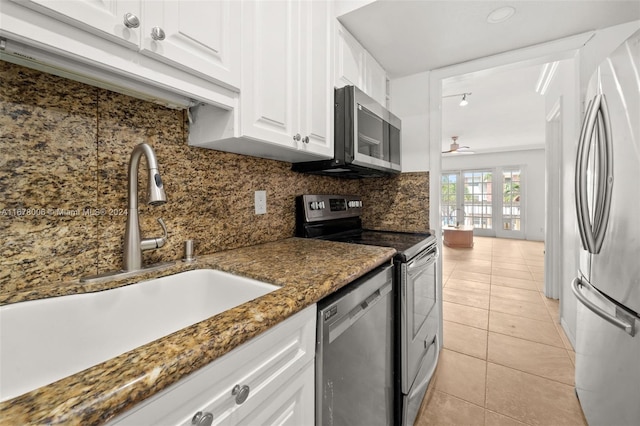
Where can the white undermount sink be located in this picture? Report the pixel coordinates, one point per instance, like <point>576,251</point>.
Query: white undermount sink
<point>42,341</point>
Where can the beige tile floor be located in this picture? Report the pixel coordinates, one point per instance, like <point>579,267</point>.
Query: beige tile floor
<point>505,360</point>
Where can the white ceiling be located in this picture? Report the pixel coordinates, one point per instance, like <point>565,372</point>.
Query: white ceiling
<point>504,111</point>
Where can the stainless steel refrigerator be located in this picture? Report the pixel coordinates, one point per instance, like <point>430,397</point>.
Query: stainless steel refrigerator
<point>607,191</point>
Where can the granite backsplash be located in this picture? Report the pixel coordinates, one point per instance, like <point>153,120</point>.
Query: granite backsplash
<point>63,184</point>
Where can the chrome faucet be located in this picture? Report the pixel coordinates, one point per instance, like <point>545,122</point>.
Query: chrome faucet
<point>133,243</point>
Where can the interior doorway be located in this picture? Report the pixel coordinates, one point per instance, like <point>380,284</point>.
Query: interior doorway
<point>510,60</point>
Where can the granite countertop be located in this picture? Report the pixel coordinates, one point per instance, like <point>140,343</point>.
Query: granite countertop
<point>306,270</point>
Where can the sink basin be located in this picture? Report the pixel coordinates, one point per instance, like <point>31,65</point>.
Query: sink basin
<point>42,341</point>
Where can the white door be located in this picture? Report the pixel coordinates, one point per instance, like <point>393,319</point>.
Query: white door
<point>510,210</point>
<point>201,37</point>
<point>270,83</point>
<point>478,194</point>
<point>375,84</point>
<point>349,59</point>
<point>316,94</point>
<point>104,18</point>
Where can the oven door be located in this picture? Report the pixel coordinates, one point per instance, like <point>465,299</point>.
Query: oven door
<point>418,314</point>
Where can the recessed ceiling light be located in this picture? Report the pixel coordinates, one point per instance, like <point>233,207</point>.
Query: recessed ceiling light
<point>501,14</point>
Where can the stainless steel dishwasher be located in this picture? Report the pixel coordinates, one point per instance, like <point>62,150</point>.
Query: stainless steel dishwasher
<point>354,353</point>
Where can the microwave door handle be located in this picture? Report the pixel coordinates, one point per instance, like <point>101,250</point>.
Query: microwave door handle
<point>605,186</point>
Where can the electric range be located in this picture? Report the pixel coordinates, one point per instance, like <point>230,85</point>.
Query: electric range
<point>417,290</point>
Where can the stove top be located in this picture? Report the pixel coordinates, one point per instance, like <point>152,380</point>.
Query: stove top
<point>337,218</point>
<point>407,244</point>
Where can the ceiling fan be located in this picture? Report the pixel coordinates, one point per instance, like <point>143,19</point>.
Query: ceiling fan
<point>457,149</point>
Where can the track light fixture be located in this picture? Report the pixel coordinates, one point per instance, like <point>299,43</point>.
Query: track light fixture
<point>464,101</point>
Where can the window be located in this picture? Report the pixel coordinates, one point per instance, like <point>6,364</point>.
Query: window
<point>511,200</point>
<point>477,198</point>
<point>491,200</point>
<point>449,198</point>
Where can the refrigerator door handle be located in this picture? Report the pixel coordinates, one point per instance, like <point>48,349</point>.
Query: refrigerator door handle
<point>580,189</point>
<point>622,319</point>
<point>605,184</point>
<point>595,125</point>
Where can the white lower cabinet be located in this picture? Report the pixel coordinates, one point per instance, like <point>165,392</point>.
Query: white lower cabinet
<point>268,380</point>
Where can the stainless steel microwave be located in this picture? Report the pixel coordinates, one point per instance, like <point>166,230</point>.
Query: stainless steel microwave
<point>367,139</point>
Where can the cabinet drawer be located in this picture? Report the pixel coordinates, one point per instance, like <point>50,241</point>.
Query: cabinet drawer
<point>265,364</point>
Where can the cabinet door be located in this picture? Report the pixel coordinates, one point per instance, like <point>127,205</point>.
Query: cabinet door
<point>104,18</point>
<point>292,405</point>
<point>375,80</point>
<point>202,37</point>
<point>316,88</point>
<point>275,369</point>
<point>270,80</point>
<point>349,59</point>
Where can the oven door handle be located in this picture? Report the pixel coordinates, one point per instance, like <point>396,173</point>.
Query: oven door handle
<point>424,259</point>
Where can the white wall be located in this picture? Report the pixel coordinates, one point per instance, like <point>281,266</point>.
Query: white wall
<point>533,167</point>
<point>410,102</point>
<point>564,89</point>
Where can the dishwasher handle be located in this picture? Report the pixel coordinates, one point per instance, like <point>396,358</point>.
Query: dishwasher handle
<point>341,325</point>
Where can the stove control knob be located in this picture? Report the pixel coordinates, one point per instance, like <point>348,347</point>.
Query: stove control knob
<point>321,205</point>
<point>314,205</point>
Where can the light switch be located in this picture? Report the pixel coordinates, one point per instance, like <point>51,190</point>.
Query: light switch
<point>261,202</point>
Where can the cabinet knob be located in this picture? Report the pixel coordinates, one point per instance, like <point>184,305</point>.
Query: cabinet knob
<point>131,20</point>
<point>241,393</point>
<point>297,137</point>
<point>157,33</point>
<point>305,139</point>
<point>202,419</point>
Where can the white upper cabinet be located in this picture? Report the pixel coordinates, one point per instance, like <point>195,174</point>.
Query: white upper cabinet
<point>375,79</point>
<point>199,37</point>
<point>196,36</point>
<point>349,59</point>
<point>287,93</point>
<point>116,20</point>
<point>286,102</point>
<point>270,70</point>
<point>355,66</point>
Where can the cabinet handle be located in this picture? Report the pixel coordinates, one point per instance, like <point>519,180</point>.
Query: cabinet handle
<point>241,393</point>
<point>305,139</point>
<point>131,20</point>
<point>157,33</point>
<point>297,137</point>
<point>202,419</point>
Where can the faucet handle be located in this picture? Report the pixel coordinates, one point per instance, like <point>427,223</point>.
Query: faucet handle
<point>156,242</point>
<point>164,228</point>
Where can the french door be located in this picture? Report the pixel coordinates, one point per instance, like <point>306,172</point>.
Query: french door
<point>490,200</point>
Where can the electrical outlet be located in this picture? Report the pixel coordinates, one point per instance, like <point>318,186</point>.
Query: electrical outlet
<point>261,202</point>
